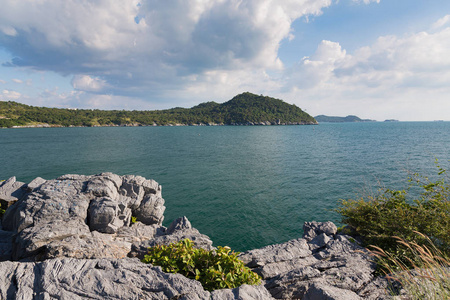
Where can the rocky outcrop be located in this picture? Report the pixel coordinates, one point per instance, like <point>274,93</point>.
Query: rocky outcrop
<point>321,265</point>
<point>73,238</point>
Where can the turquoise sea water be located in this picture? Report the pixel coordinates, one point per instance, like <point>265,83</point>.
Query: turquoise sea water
<point>245,187</point>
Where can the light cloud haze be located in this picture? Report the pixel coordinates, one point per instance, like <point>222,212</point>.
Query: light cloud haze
<point>161,54</point>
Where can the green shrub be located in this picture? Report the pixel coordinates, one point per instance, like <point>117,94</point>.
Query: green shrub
<point>393,213</point>
<point>215,269</point>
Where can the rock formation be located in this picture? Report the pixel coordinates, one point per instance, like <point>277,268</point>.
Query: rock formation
<point>73,238</point>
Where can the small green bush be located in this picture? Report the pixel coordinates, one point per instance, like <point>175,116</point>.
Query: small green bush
<point>215,269</point>
<point>395,213</point>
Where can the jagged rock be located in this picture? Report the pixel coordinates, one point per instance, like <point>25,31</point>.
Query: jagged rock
<point>325,292</point>
<point>107,215</point>
<point>94,279</point>
<point>32,240</point>
<point>313,229</point>
<point>53,200</point>
<point>35,184</point>
<point>151,210</point>
<point>319,241</point>
<point>11,191</point>
<point>244,292</point>
<point>179,224</point>
<point>87,221</point>
<point>180,229</point>
<point>275,253</point>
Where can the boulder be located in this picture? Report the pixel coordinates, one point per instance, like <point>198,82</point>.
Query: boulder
<point>244,292</point>
<point>11,191</point>
<point>313,229</point>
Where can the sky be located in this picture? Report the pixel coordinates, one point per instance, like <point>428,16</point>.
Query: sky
<point>377,59</point>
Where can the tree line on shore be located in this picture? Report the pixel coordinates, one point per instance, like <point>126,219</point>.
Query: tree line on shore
<point>245,108</point>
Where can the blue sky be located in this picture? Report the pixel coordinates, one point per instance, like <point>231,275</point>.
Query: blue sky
<point>377,59</point>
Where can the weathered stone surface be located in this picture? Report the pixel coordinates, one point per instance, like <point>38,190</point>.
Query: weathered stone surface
<point>11,191</point>
<point>87,221</point>
<point>53,200</point>
<point>179,229</point>
<point>179,224</point>
<point>151,210</point>
<point>319,291</point>
<point>32,240</point>
<point>35,184</point>
<point>313,229</point>
<point>94,279</point>
<point>244,292</point>
<point>319,241</point>
<point>276,253</point>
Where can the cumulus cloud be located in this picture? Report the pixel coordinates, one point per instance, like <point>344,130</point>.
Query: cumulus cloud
<point>9,95</point>
<point>88,83</point>
<point>145,46</point>
<point>394,73</point>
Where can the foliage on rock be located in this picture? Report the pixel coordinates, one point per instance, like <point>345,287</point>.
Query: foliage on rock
<point>395,213</point>
<point>215,269</point>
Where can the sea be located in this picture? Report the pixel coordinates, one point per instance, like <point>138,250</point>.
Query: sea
<point>243,186</point>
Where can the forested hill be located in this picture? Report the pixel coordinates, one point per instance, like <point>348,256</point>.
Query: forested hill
<point>347,119</point>
<point>243,109</point>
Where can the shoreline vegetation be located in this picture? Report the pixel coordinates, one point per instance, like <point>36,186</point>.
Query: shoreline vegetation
<point>245,109</point>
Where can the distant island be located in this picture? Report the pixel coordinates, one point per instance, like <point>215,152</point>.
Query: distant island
<point>347,119</point>
<point>243,109</point>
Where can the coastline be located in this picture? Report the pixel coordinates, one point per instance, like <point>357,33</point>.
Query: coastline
<point>262,123</point>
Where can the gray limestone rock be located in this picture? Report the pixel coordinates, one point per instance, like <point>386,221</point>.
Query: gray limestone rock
<point>319,241</point>
<point>292,249</point>
<point>94,279</point>
<point>103,213</point>
<point>244,292</point>
<point>53,200</point>
<point>31,241</point>
<point>11,191</point>
<point>313,229</point>
<point>35,184</point>
<point>179,224</point>
<point>151,210</point>
<point>319,291</point>
<point>180,229</point>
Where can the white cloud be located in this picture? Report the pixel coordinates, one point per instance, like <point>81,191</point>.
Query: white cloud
<point>138,47</point>
<point>367,1</point>
<point>409,76</point>
<point>2,81</point>
<point>445,21</point>
<point>88,83</point>
<point>17,80</point>
<point>9,95</point>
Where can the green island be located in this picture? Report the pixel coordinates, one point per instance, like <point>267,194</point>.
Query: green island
<point>347,119</point>
<point>243,109</point>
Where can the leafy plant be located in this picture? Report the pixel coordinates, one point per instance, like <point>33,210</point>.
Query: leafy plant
<point>395,213</point>
<point>215,269</point>
<point>430,274</point>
